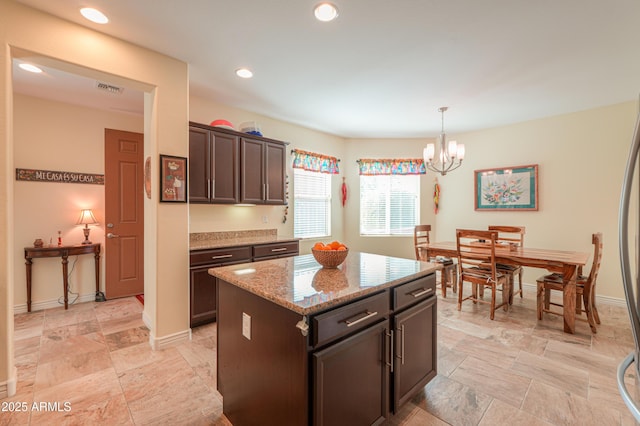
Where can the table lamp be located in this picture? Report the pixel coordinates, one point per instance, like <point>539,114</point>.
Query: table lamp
<point>86,218</point>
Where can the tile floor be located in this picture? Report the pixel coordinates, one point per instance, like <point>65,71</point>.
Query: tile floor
<point>95,362</point>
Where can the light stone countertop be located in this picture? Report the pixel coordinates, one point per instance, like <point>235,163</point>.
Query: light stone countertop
<point>238,241</point>
<point>301,285</point>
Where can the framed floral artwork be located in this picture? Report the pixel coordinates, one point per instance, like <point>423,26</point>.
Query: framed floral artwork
<point>509,188</point>
<point>173,179</point>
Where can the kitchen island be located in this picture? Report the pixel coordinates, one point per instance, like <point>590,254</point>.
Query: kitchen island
<point>300,344</point>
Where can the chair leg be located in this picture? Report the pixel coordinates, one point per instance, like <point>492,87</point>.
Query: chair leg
<point>510,279</point>
<point>460,295</point>
<point>493,301</point>
<point>540,299</point>
<point>454,278</point>
<point>520,281</point>
<point>596,316</point>
<point>547,298</point>
<point>507,294</point>
<point>443,283</point>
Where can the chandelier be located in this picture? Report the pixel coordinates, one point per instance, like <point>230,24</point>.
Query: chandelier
<point>450,156</point>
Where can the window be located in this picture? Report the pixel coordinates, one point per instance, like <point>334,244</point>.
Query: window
<point>312,204</point>
<point>389,204</point>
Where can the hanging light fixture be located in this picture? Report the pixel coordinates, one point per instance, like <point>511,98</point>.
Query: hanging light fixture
<point>450,156</point>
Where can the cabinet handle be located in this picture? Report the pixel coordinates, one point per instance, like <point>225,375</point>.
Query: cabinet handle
<point>421,292</point>
<point>208,187</point>
<point>401,330</point>
<point>222,256</point>
<point>266,191</point>
<point>388,356</point>
<point>279,249</point>
<point>367,315</point>
<point>213,188</point>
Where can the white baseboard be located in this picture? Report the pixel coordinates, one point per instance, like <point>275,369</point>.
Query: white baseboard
<point>50,304</point>
<point>170,340</point>
<point>8,388</point>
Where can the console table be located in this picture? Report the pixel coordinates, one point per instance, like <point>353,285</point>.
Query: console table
<point>64,252</point>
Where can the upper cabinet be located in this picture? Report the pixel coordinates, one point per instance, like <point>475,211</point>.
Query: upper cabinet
<point>262,165</point>
<point>229,167</point>
<point>213,166</point>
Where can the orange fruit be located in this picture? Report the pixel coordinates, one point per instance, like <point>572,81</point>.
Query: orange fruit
<point>318,246</point>
<point>334,245</point>
<point>342,248</point>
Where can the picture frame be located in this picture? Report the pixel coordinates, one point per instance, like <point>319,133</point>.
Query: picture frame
<point>173,179</point>
<point>506,189</point>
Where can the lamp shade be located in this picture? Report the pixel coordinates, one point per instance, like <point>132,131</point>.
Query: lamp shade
<point>86,218</point>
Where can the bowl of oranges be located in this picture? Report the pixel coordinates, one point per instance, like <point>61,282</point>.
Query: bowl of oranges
<point>330,255</point>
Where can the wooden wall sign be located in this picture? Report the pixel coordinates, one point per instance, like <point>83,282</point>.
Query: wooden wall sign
<point>58,176</point>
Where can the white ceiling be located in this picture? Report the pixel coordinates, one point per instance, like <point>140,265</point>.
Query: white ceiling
<point>384,67</point>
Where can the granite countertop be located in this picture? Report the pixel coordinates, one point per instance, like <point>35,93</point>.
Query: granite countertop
<point>210,240</point>
<point>301,285</point>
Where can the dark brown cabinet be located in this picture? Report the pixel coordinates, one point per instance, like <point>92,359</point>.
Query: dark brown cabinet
<point>229,167</point>
<point>352,364</point>
<point>263,176</point>
<point>202,295</point>
<point>213,166</point>
<point>351,380</point>
<point>415,347</point>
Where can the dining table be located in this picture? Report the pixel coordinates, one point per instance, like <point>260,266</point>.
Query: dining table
<point>563,262</point>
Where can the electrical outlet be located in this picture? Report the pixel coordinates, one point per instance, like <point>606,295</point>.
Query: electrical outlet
<point>265,219</point>
<point>246,326</point>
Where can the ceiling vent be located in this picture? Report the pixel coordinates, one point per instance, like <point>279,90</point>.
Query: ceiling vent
<point>109,88</point>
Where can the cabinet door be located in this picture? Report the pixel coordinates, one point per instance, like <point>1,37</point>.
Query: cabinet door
<point>351,379</point>
<point>275,173</point>
<point>224,168</point>
<point>202,296</point>
<point>252,185</point>
<point>199,165</point>
<point>415,350</point>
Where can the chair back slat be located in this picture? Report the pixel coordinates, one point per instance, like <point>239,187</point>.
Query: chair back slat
<point>420,239</point>
<point>509,234</point>
<point>476,250</point>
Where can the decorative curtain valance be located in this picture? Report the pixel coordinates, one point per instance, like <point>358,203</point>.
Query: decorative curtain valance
<point>391,166</point>
<point>315,162</point>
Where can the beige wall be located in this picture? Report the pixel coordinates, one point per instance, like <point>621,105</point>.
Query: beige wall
<point>209,218</point>
<point>165,80</point>
<point>581,158</point>
<point>66,138</point>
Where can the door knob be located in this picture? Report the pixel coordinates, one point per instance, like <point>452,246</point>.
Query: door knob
<point>110,235</point>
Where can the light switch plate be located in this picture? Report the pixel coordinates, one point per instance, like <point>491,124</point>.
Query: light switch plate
<point>246,326</point>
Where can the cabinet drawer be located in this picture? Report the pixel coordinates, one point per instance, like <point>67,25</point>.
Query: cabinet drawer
<point>216,256</point>
<point>413,291</point>
<point>275,249</point>
<point>349,318</point>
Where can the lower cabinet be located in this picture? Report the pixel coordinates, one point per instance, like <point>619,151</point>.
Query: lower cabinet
<point>415,347</point>
<point>203,296</point>
<point>338,399</point>
<point>203,287</point>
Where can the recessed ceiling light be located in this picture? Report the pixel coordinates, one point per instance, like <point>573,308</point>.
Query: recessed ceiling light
<point>244,73</point>
<point>30,68</point>
<point>94,15</point>
<point>325,12</point>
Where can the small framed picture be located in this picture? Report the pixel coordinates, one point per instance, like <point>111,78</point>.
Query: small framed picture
<point>173,179</point>
<point>507,188</point>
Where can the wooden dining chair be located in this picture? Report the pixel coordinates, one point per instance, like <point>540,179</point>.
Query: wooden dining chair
<point>585,289</point>
<point>449,273</point>
<point>509,235</point>
<point>477,265</point>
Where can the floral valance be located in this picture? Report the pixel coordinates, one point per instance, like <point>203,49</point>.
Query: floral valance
<point>391,166</point>
<point>314,162</point>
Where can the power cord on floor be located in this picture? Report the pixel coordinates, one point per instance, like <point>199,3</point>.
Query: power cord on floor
<point>69,292</point>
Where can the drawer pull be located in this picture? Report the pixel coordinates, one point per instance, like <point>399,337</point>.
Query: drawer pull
<point>222,256</point>
<point>390,353</point>
<point>367,315</point>
<point>421,292</point>
<point>279,249</point>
